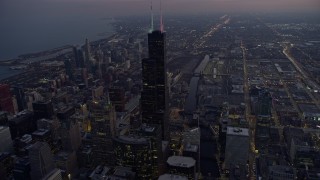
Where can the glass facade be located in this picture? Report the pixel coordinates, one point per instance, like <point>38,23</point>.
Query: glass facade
<point>154,96</point>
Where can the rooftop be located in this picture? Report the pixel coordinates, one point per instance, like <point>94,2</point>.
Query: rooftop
<point>237,131</point>
<point>309,108</point>
<point>281,169</point>
<point>181,161</point>
<point>123,172</point>
<point>40,132</point>
<point>99,173</point>
<point>172,177</point>
<point>132,139</point>
<point>191,148</point>
<point>3,128</point>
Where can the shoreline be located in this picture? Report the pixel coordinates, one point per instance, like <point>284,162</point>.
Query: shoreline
<point>29,58</point>
<point>49,51</point>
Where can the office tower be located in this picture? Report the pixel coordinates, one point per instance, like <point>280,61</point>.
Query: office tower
<point>172,177</point>
<point>67,162</point>
<point>22,144</point>
<point>117,97</point>
<point>78,57</point>
<point>264,108</point>
<point>41,160</point>
<point>3,118</point>
<point>43,135</point>
<point>42,109</point>
<point>185,166</point>
<point>5,139</point>
<point>55,174</point>
<point>21,170</point>
<point>154,95</point>
<point>84,157</point>
<point>68,67</point>
<point>87,52</point>
<point>51,125</point>
<point>135,152</point>
<point>99,62</point>
<point>97,92</point>
<point>6,99</point>
<point>263,120</point>
<point>6,164</point>
<point>191,145</point>
<point>18,91</point>
<point>117,173</point>
<point>127,64</point>
<point>282,172</point>
<point>22,123</point>
<point>102,117</point>
<point>237,147</point>
<point>141,150</point>
<point>70,135</point>
<point>65,113</point>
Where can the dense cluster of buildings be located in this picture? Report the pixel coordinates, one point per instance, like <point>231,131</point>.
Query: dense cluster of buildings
<point>90,115</point>
<point>220,102</point>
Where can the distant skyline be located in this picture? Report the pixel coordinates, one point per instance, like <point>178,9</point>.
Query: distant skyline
<point>34,25</point>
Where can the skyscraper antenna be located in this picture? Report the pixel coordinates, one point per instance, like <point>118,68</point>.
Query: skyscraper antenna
<point>161,20</point>
<point>151,28</point>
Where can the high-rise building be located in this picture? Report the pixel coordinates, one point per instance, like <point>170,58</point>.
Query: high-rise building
<point>3,118</point>
<point>264,108</point>
<point>78,56</point>
<point>69,68</point>
<point>172,177</point>
<point>154,95</point>
<point>6,103</point>
<point>22,169</point>
<point>87,52</point>
<point>70,135</point>
<point>135,152</point>
<point>43,110</point>
<point>41,160</point>
<point>67,162</point>
<point>55,174</point>
<point>117,97</point>
<point>142,151</point>
<point>237,146</point>
<point>18,91</point>
<point>21,124</point>
<point>102,118</point>
<point>5,139</point>
<point>185,166</point>
<point>6,165</point>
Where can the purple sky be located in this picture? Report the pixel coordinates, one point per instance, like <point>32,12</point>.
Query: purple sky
<point>125,7</point>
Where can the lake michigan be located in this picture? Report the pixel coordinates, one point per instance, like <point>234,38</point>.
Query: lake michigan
<point>34,26</point>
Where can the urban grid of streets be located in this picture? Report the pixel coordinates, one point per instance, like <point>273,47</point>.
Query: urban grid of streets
<point>245,51</point>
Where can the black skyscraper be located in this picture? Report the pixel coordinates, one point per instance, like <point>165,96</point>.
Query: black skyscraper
<point>153,98</point>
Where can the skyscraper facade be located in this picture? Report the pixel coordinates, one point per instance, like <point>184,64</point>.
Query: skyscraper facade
<point>41,160</point>
<point>6,99</point>
<point>153,97</point>
<point>102,117</point>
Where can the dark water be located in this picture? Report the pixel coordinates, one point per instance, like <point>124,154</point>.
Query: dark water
<point>6,72</point>
<point>33,26</point>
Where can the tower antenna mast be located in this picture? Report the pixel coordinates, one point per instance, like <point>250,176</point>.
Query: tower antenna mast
<point>151,28</point>
<point>161,18</point>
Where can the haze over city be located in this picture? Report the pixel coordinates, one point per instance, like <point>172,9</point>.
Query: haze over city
<point>132,7</point>
<point>159,89</point>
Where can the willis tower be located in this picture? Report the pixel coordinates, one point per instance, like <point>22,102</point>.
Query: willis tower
<point>154,94</point>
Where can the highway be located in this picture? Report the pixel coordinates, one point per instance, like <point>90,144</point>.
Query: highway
<point>203,39</point>
<point>249,117</point>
